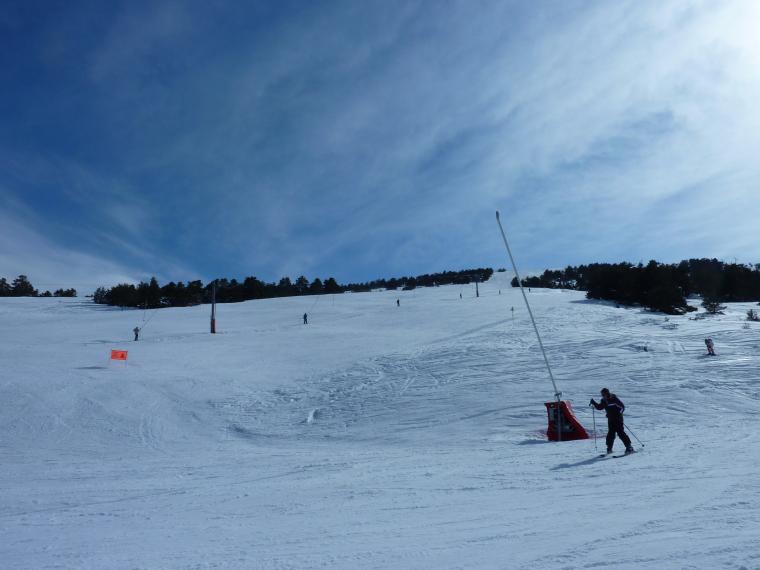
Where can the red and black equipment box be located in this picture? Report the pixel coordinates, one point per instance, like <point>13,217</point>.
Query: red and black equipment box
<point>571,427</point>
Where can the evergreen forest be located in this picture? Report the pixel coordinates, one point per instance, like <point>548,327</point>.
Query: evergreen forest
<point>151,295</point>
<point>658,286</point>
<point>21,287</point>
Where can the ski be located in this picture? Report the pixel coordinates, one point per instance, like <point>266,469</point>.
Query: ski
<point>603,455</point>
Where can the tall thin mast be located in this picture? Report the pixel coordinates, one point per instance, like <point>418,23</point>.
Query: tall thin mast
<point>213,307</point>
<point>557,393</point>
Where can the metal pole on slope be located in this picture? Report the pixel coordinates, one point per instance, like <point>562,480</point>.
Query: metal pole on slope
<point>557,393</point>
<point>150,318</point>
<point>213,307</point>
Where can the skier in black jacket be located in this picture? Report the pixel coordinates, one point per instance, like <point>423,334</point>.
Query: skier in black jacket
<point>614,408</point>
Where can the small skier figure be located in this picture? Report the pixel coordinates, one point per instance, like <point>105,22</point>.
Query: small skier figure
<point>710,347</point>
<point>460,295</point>
<point>615,426</point>
<point>398,303</point>
<point>305,319</point>
<point>136,330</point>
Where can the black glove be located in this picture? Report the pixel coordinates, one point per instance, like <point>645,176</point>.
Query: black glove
<point>592,402</point>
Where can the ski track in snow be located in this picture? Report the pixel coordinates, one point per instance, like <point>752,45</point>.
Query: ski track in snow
<point>375,437</point>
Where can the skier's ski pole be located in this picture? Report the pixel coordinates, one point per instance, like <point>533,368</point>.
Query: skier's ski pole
<point>633,434</point>
<point>593,415</point>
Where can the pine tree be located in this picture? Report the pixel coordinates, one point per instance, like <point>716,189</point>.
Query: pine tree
<point>713,306</point>
<point>101,296</point>
<point>316,286</point>
<point>302,285</point>
<point>22,288</point>
<point>331,286</point>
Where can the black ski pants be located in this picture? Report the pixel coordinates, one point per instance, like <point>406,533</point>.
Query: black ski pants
<point>615,427</point>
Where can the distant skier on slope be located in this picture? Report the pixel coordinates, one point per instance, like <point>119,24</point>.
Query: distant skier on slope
<point>136,330</point>
<point>305,319</point>
<point>398,303</point>
<point>710,347</point>
<point>615,426</point>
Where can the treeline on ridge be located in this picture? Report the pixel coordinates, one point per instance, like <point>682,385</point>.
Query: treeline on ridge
<point>21,287</point>
<point>152,295</point>
<point>657,286</point>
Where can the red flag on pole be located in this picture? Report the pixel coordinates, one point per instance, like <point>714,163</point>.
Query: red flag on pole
<point>119,354</point>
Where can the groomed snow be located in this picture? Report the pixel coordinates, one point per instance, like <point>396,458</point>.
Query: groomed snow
<point>377,436</point>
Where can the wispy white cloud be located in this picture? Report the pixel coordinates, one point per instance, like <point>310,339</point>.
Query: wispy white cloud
<point>370,139</point>
<point>50,266</point>
<point>81,230</point>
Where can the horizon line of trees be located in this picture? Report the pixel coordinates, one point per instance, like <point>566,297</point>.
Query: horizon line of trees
<point>22,287</point>
<point>657,286</point>
<point>151,295</point>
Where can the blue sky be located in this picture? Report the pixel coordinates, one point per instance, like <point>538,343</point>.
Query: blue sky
<point>372,139</point>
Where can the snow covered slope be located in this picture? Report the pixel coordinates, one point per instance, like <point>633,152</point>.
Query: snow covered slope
<point>377,436</point>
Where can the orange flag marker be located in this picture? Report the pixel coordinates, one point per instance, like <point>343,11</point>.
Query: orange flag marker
<point>119,354</point>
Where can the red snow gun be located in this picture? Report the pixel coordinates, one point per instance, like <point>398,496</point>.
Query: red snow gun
<point>562,413</point>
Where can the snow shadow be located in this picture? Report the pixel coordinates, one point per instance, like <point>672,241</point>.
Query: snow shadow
<point>598,302</point>
<point>576,464</point>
